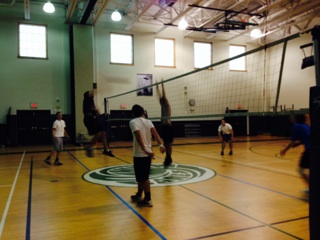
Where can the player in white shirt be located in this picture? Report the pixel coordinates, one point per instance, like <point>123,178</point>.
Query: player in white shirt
<point>225,133</point>
<point>58,133</point>
<point>142,129</point>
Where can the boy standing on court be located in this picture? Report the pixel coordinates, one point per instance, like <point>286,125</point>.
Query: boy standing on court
<point>142,129</point>
<point>225,132</point>
<point>58,134</point>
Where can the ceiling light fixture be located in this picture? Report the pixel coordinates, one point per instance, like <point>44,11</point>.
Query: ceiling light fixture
<point>183,24</point>
<point>255,33</point>
<point>116,16</point>
<point>48,7</point>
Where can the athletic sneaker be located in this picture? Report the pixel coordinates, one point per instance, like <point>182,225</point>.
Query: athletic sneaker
<point>145,203</point>
<point>167,162</point>
<point>222,153</point>
<point>89,152</point>
<point>230,153</point>
<point>166,165</point>
<point>306,194</point>
<point>58,163</point>
<point>306,191</point>
<point>47,161</point>
<point>135,198</point>
<point>109,153</point>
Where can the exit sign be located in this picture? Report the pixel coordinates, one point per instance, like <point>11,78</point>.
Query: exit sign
<point>33,105</point>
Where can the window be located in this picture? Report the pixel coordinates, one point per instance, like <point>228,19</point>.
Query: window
<point>32,41</point>
<point>202,54</point>
<point>121,48</point>
<point>164,52</point>
<point>238,64</point>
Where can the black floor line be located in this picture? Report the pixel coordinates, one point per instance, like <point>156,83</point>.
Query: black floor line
<point>243,214</point>
<point>28,225</point>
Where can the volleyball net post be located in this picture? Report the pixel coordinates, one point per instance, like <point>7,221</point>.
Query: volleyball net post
<point>314,105</point>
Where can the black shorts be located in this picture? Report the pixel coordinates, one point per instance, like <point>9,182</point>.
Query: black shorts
<point>167,133</point>
<point>226,137</point>
<point>142,167</point>
<point>92,124</point>
<point>305,159</point>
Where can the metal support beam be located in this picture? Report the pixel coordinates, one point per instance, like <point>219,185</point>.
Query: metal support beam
<point>144,10</point>
<point>87,11</point>
<point>27,9</point>
<point>280,74</point>
<point>100,11</point>
<point>316,45</point>
<point>71,8</point>
<point>314,198</point>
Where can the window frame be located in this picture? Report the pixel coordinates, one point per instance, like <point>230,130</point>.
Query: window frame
<point>194,54</point>
<point>132,49</point>
<point>20,40</point>
<point>173,60</point>
<point>243,58</point>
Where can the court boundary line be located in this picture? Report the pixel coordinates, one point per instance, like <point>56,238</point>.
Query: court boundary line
<point>5,213</point>
<point>28,224</point>
<point>258,186</point>
<point>251,165</point>
<point>228,207</point>
<point>226,232</point>
<point>174,144</point>
<point>241,213</point>
<point>124,202</point>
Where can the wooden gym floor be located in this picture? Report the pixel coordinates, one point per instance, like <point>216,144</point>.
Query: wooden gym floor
<point>254,194</point>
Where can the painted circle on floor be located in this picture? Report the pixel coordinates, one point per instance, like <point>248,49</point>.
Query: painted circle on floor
<point>123,175</point>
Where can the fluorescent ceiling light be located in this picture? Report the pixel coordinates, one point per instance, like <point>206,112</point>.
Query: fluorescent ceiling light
<point>48,7</point>
<point>116,16</point>
<point>183,24</point>
<point>255,33</point>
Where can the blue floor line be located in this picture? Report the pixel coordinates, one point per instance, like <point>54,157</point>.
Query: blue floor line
<point>138,215</point>
<point>125,203</point>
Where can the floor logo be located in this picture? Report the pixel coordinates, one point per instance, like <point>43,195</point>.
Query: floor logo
<point>123,175</point>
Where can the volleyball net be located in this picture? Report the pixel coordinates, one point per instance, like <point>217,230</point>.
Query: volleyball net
<point>209,92</point>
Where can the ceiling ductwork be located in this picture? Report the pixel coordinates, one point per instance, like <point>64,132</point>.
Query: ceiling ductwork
<point>206,19</point>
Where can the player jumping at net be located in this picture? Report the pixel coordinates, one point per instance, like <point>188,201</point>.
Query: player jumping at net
<point>94,126</point>
<point>166,125</point>
<point>225,132</point>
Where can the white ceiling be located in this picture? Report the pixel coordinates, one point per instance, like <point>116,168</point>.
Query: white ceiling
<point>276,19</point>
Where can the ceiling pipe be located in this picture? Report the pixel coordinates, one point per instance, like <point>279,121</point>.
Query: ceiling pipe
<point>178,17</point>
<point>8,4</point>
<point>87,11</point>
<point>100,11</point>
<point>307,17</point>
<point>218,17</point>
<point>27,9</point>
<point>299,10</point>
<point>71,9</point>
<point>129,26</point>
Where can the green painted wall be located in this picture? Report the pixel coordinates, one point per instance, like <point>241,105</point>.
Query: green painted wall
<point>83,69</point>
<point>23,81</point>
